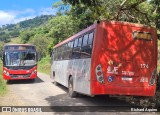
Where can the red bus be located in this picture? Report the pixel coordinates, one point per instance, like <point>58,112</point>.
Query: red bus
<point>19,62</point>
<point>108,58</point>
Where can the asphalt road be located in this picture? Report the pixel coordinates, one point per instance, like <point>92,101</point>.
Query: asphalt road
<point>43,92</point>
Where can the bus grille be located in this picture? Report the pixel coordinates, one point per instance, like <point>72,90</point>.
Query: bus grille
<point>20,75</point>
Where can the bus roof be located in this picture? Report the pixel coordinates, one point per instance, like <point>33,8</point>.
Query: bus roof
<point>94,26</point>
<point>19,47</point>
<point>128,23</point>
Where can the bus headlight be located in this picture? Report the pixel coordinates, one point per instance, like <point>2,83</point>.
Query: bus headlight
<point>5,72</point>
<point>34,71</point>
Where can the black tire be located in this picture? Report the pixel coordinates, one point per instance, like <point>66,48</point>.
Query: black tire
<point>8,81</point>
<point>56,83</point>
<point>71,91</point>
<point>53,77</point>
<point>32,80</point>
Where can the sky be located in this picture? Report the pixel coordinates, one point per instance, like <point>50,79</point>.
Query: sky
<point>14,11</point>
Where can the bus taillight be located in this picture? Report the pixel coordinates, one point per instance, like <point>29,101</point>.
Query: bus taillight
<point>153,78</point>
<point>99,74</point>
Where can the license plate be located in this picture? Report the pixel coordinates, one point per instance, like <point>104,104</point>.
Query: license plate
<point>20,76</point>
<point>127,78</point>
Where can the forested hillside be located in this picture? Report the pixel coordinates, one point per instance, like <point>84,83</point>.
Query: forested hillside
<point>9,31</point>
<point>73,16</point>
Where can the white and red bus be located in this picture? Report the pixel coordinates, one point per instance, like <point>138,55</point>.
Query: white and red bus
<point>108,58</point>
<point>19,62</point>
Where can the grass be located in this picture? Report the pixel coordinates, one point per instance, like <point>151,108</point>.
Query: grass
<point>3,86</point>
<point>44,65</point>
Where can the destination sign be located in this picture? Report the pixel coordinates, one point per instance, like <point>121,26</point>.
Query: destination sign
<point>18,47</point>
<point>142,35</point>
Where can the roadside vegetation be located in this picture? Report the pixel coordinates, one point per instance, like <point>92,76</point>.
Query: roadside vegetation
<point>3,87</point>
<point>44,65</point>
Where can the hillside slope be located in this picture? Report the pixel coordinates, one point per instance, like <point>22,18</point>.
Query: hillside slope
<point>9,31</point>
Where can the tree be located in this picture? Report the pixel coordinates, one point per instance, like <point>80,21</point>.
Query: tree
<point>14,33</point>
<point>155,12</point>
<point>41,42</point>
<point>140,11</point>
<point>26,36</point>
<point>4,37</point>
<point>61,27</point>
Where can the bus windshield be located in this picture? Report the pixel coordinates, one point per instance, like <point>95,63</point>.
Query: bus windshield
<point>19,58</point>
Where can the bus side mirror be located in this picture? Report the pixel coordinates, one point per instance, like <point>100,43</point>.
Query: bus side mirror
<point>1,55</point>
<point>158,35</point>
<point>38,56</point>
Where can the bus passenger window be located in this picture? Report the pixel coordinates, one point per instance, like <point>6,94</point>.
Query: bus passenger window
<point>86,49</point>
<point>76,43</point>
<point>70,51</point>
<point>62,52</point>
<point>55,53</point>
<point>77,49</point>
<point>58,53</point>
<point>72,44</point>
<point>85,39</point>
<point>80,42</point>
<point>65,51</point>
<point>90,39</point>
<point>69,45</point>
<point>76,53</point>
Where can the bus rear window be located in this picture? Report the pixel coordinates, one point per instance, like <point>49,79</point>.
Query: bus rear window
<point>142,35</point>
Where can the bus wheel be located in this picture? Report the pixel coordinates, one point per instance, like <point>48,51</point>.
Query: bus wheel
<point>71,92</point>
<point>55,83</point>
